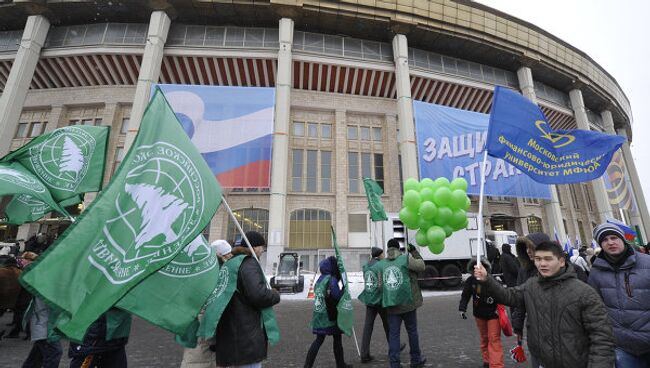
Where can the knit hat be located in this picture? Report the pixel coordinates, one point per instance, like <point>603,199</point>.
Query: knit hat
<point>538,238</point>
<point>376,252</point>
<point>602,230</point>
<point>256,239</point>
<point>221,247</point>
<point>393,243</point>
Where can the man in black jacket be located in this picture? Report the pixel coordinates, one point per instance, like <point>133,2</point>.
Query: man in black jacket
<point>240,335</point>
<point>509,266</point>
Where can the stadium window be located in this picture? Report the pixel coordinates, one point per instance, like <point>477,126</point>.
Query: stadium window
<point>326,131</point>
<point>376,134</point>
<point>365,133</point>
<point>305,165</point>
<point>21,132</point>
<point>353,133</point>
<point>250,219</point>
<point>310,229</point>
<point>364,165</point>
<point>298,129</point>
<point>312,130</point>
<point>125,125</point>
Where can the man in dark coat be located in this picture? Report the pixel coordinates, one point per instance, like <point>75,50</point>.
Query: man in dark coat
<point>240,335</point>
<point>509,266</point>
<point>622,278</point>
<point>568,326</point>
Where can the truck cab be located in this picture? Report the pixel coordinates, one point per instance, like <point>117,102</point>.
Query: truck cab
<point>500,237</point>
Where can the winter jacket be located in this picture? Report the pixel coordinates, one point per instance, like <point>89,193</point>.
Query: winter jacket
<point>509,268</point>
<point>526,271</point>
<point>109,332</point>
<point>567,322</point>
<point>415,265</point>
<point>483,305</point>
<point>626,293</point>
<point>240,335</point>
<point>330,268</point>
<point>38,320</point>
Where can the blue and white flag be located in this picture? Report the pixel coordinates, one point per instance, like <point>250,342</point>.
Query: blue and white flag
<point>450,144</point>
<point>232,127</point>
<point>630,233</point>
<point>520,134</point>
<point>557,237</point>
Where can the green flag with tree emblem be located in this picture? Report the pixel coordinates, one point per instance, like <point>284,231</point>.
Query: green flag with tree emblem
<point>373,193</point>
<point>161,197</point>
<point>345,318</point>
<point>182,286</point>
<point>69,160</point>
<point>25,208</point>
<point>16,180</point>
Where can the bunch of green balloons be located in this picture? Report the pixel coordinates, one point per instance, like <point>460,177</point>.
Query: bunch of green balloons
<point>436,208</point>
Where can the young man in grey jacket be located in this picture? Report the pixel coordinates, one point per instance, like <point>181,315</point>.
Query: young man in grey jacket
<point>567,323</point>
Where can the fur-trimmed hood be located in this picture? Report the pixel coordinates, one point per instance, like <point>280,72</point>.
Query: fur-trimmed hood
<point>529,241</point>
<point>239,250</point>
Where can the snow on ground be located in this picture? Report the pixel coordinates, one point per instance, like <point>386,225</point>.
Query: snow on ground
<point>356,287</point>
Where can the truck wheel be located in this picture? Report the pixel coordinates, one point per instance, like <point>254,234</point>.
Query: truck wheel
<point>430,271</point>
<point>451,270</point>
<point>301,284</point>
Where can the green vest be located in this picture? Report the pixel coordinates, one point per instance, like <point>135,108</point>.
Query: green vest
<point>396,283</point>
<point>319,317</point>
<point>217,303</point>
<point>371,294</point>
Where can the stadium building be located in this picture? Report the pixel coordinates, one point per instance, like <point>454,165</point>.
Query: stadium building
<point>345,74</point>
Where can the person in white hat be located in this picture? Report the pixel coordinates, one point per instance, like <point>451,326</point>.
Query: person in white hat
<point>223,250</point>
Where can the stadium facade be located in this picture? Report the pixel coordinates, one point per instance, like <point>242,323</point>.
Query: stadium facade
<point>345,74</point>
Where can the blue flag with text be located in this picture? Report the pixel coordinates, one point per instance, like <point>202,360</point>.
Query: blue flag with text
<point>520,134</point>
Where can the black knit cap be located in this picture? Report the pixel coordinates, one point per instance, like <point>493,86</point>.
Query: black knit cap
<point>376,252</point>
<point>393,243</point>
<point>256,239</point>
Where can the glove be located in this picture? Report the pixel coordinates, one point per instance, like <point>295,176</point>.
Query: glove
<point>463,315</point>
<point>517,353</point>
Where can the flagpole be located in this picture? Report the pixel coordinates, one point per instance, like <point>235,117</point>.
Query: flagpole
<point>479,217</point>
<point>244,238</point>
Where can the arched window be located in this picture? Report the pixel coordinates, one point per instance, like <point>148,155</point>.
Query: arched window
<point>534,224</point>
<point>310,229</point>
<point>250,219</point>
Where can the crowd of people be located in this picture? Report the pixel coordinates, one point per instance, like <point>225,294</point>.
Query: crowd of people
<point>591,309</point>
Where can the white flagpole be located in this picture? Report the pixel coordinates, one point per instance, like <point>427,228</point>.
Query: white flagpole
<point>244,238</point>
<point>479,217</point>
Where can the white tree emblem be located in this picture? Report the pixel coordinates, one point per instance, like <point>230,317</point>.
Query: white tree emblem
<point>72,159</point>
<point>371,281</point>
<point>152,201</point>
<point>319,305</point>
<point>393,278</point>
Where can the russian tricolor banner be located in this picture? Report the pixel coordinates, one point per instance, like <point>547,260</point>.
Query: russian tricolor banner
<point>232,127</point>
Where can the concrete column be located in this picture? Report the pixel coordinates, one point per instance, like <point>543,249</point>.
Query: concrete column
<point>341,176</point>
<point>405,121</point>
<point>598,185</point>
<point>552,206</point>
<point>279,168</point>
<point>55,118</point>
<point>149,71</point>
<point>20,77</point>
<point>644,221</point>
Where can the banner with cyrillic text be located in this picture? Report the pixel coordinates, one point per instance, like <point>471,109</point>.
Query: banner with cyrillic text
<point>520,134</point>
<point>451,143</point>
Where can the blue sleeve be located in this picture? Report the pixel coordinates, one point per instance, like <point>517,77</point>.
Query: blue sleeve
<point>335,290</point>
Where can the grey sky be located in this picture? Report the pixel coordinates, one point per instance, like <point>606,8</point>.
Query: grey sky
<point>614,34</point>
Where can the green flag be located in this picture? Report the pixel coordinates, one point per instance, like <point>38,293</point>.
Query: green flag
<point>69,160</point>
<point>25,208</point>
<point>182,287</point>
<point>373,193</point>
<point>162,196</point>
<point>16,180</point>
<point>345,317</point>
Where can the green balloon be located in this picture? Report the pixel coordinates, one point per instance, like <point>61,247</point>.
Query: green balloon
<point>444,216</point>
<point>426,183</point>
<point>448,230</point>
<point>409,218</point>
<point>436,234</point>
<point>411,200</point>
<point>442,197</point>
<point>436,248</point>
<point>424,224</point>
<point>421,238</point>
<point>427,194</point>
<point>458,183</point>
<point>468,203</point>
<point>458,198</point>
<point>458,218</point>
<point>428,210</point>
<point>411,184</point>
<point>442,182</point>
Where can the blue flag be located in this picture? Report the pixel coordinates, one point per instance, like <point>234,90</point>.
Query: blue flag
<point>520,134</point>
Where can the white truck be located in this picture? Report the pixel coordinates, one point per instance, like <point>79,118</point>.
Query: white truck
<point>500,237</point>
<point>444,269</point>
